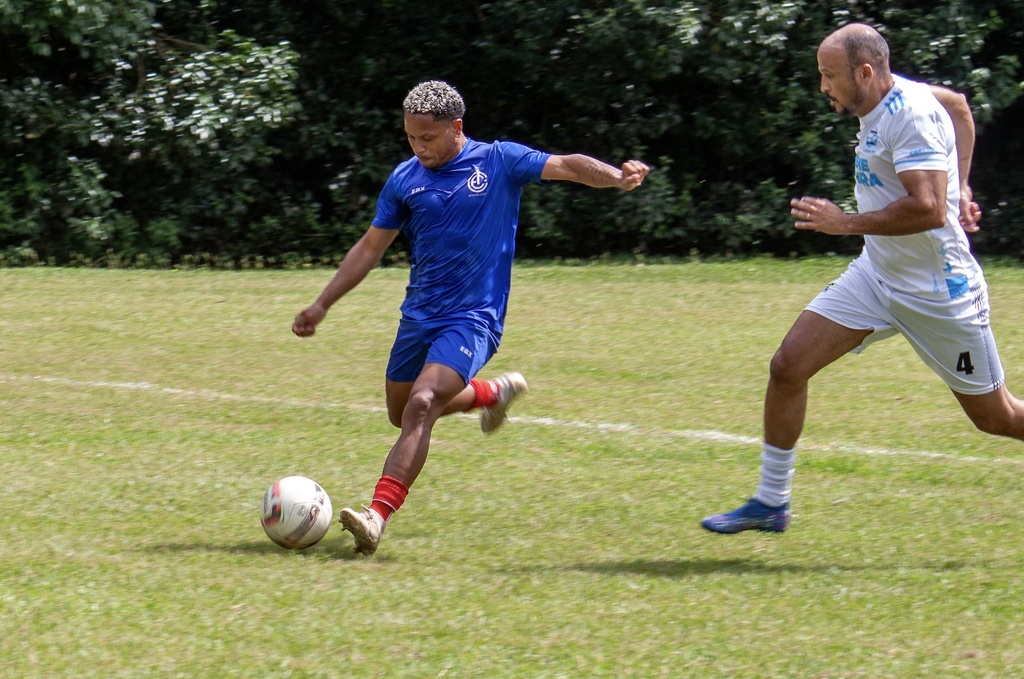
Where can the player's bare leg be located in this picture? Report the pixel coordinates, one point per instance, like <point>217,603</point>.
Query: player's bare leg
<point>435,387</point>
<point>427,397</point>
<point>811,344</point>
<point>507,387</point>
<point>463,402</point>
<point>396,394</point>
<point>999,413</point>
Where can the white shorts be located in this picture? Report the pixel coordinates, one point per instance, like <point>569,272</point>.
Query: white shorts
<point>953,337</point>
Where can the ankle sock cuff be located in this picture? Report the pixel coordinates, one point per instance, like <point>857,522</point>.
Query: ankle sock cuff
<point>484,391</point>
<point>388,496</point>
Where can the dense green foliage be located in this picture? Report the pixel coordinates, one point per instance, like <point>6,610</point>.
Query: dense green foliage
<point>148,131</point>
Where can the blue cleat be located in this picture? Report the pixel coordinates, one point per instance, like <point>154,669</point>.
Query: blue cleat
<point>751,516</point>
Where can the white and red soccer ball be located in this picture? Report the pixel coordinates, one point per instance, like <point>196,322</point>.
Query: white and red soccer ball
<point>296,512</point>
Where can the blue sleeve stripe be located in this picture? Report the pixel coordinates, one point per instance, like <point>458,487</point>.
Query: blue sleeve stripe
<point>929,158</point>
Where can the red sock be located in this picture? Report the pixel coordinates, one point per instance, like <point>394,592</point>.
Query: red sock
<point>388,496</point>
<point>485,393</point>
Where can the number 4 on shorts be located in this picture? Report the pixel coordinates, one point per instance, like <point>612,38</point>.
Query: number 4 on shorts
<point>964,365</point>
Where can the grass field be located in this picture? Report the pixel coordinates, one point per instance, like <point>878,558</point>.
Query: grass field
<point>144,413</point>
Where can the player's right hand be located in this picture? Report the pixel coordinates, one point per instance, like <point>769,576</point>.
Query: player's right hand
<point>307,320</point>
<point>633,173</point>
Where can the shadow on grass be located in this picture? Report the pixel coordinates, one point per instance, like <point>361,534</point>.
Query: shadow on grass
<point>342,551</point>
<point>687,568</point>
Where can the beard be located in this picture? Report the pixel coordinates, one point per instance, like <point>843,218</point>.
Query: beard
<point>850,108</point>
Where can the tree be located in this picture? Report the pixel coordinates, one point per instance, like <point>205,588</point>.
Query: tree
<point>266,128</point>
<point>120,136</point>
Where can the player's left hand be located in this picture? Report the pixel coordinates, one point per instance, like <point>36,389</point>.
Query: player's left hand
<point>818,214</point>
<point>970,212</point>
<point>633,173</point>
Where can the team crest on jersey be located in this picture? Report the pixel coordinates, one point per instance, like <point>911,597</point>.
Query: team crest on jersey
<point>477,182</point>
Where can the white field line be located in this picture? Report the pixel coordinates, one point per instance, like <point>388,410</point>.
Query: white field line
<point>703,435</point>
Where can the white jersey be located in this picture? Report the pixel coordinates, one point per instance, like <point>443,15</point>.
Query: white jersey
<point>910,130</point>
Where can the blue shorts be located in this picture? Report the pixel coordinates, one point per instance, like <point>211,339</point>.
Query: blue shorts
<point>462,345</point>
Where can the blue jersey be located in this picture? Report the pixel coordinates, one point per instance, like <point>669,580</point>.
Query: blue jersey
<point>461,221</point>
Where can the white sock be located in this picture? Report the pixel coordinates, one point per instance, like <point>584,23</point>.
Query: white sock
<point>777,467</point>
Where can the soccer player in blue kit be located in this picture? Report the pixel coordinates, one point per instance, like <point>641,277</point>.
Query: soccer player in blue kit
<point>916,275</point>
<point>457,202</point>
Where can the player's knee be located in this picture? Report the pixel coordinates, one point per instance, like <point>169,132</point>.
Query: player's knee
<point>783,369</point>
<point>421,404</point>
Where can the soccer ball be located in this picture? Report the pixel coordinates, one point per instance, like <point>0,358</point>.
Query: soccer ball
<point>296,512</point>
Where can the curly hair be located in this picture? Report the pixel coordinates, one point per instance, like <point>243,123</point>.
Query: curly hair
<point>436,98</point>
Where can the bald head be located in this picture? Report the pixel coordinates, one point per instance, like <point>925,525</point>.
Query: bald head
<point>854,66</point>
<point>862,45</point>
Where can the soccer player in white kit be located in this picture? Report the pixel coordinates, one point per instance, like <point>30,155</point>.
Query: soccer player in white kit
<point>916,275</point>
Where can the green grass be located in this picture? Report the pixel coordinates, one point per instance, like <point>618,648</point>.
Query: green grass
<point>143,414</point>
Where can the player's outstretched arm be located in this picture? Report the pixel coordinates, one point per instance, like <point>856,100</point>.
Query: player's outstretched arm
<point>358,262</point>
<point>592,172</point>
